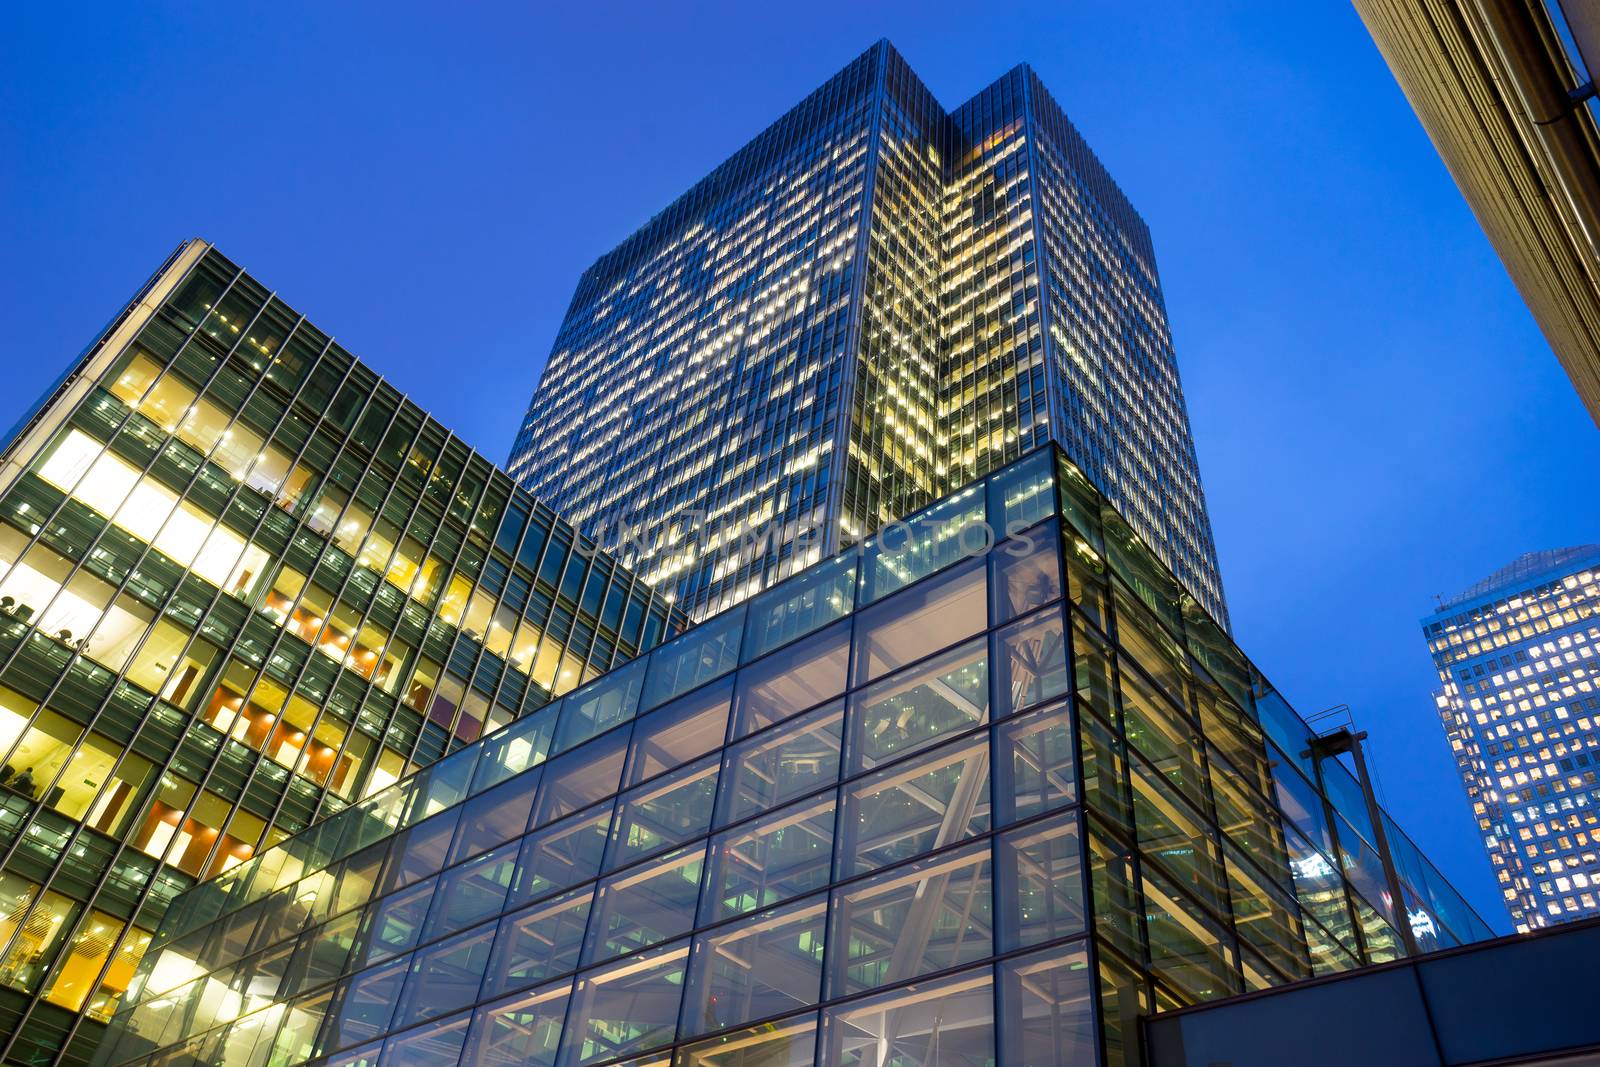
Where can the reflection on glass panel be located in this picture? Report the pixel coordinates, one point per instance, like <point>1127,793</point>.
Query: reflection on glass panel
<point>435,1045</point>
<point>934,615</point>
<point>764,965</point>
<point>1035,764</point>
<point>1040,882</point>
<point>445,976</point>
<point>1025,573</point>
<point>790,1043</point>
<point>1189,948</point>
<point>538,942</point>
<point>1031,662</point>
<point>947,1023</point>
<point>683,730</point>
<point>916,707</point>
<point>521,1031</point>
<point>792,680</point>
<point>922,917</point>
<point>1105,789</point>
<point>1249,821</point>
<point>630,1006</point>
<point>90,948</point>
<point>781,764</point>
<point>666,811</point>
<point>915,547</point>
<point>916,806</point>
<point>600,705</point>
<point>518,747</point>
<point>811,600</point>
<point>1117,917</point>
<point>645,906</point>
<point>421,850</point>
<point>1047,1008</point>
<point>560,856</point>
<point>1023,493</point>
<point>768,861</point>
<point>706,652</point>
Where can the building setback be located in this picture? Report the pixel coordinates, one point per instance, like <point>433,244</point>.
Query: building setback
<point>933,801</point>
<point>243,584</point>
<point>1516,656</point>
<point>871,304</point>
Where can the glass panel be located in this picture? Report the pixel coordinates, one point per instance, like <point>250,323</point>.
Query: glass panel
<point>1047,1014</point>
<point>1040,882</point>
<point>522,1031</point>
<point>629,1007</point>
<point>1188,948</point>
<point>1023,493</point>
<point>445,976</point>
<point>926,916</point>
<point>1176,836</point>
<point>1031,660</point>
<point>914,708</point>
<point>762,966</point>
<point>782,856</point>
<point>397,921</point>
<point>667,811</point>
<point>781,764</point>
<point>561,856</point>
<point>683,730</point>
<point>472,891</point>
<point>800,676</point>
<point>914,807</point>
<point>934,615</point>
<point>1025,573</point>
<point>580,778</point>
<point>1035,764</point>
<point>645,906</point>
<point>368,1003</point>
<point>538,942</point>
<point>790,1043</point>
<point>435,1045</point>
<point>948,1023</point>
<point>496,816</point>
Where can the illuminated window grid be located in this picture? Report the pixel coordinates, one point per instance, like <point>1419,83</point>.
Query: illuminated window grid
<point>160,791</point>
<point>1097,805</point>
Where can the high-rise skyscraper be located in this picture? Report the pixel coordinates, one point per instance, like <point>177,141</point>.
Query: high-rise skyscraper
<point>243,583</point>
<point>918,805</point>
<point>1518,655</point>
<point>872,303</point>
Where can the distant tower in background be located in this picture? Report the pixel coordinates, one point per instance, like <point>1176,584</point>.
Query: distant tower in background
<point>1517,656</point>
<point>871,304</point>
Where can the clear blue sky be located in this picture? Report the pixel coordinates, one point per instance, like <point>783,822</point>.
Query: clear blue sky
<point>1378,419</point>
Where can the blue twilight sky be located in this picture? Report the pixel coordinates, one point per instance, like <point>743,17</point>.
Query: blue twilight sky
<point>1377,417</point>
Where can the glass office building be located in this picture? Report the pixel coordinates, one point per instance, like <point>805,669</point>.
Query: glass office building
<point>871,304</point>
<point>988,788</point>
<point>243,584</point>
<point>1516,656</point>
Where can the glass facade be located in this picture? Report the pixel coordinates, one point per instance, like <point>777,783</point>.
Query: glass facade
<point>871,304</point>
<point>1515,656</point>
<point>243,584</point>
<point>986,788</point>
